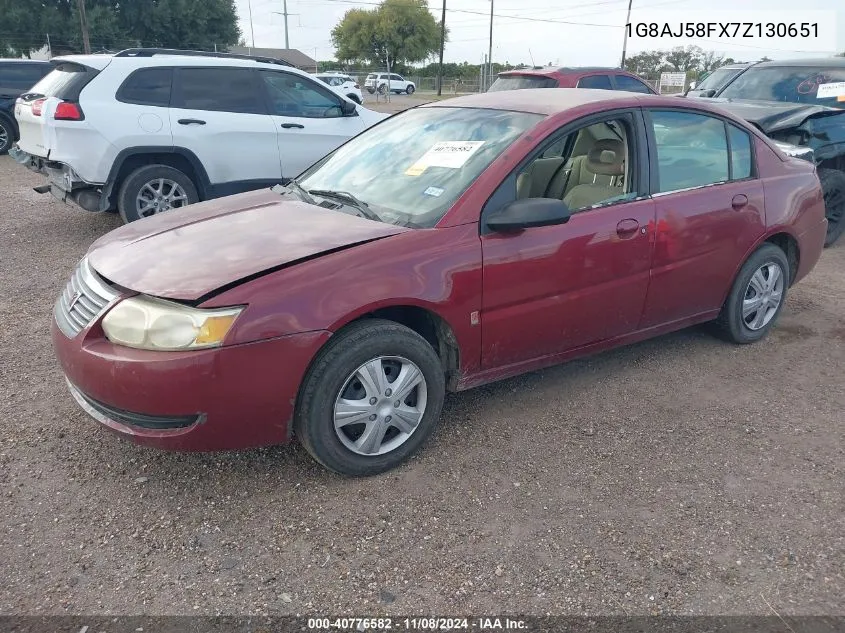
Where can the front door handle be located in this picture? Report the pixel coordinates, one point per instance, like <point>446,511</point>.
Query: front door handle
<point>739,201</point>
<point>190,121</point>
<point>288,126</point>
<point>627,228</point>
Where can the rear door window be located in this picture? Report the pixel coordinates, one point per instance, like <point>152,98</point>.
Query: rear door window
<point>150,86</point>
<point>629,84</point>
<point>598,82</point>
<point>522,82</point>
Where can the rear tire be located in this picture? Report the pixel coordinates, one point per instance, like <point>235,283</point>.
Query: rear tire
<point>347,394</point>
<point>7,135</point>
<point>154,189</point>
<point>756,297</point>
<point>382,89</point>
<point>833,186</point>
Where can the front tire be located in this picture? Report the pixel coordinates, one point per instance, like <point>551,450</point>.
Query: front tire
<point>410,90</point>
<point>833,186</point>
<point>371,398</point>
<point>7,136</point>
<point>154,189</point>
<point>756,297</point>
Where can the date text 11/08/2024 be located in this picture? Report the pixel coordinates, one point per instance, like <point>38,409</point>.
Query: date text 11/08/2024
<point>416,624</point>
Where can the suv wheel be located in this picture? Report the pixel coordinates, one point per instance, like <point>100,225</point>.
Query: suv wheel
<point>154,189</point>
<point>410,89</point>
<point>382,89</point>
<point>7,136</point>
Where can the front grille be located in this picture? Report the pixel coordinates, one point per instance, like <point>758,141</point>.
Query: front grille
<point>83,300</point>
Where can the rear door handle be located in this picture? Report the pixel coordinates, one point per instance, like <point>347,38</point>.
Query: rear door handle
<point>739,201</point>
<point>288,126</point>
<point>627,228</point>
<point>190,121</point>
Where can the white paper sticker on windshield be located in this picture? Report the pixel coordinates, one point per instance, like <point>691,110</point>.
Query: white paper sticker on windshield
<point>831,90</point>
<point>449,154</point>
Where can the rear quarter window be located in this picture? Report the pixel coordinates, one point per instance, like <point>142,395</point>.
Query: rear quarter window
<point>148,86</point>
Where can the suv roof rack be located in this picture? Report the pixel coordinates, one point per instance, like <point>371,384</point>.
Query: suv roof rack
<point>149,52</point>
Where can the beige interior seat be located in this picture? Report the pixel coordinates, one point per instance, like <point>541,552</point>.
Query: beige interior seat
<point>599,176</point>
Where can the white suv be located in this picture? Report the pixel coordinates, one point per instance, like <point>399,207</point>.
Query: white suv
<point>148,130</point>
<point>380,82</point>
<point>342,85</point>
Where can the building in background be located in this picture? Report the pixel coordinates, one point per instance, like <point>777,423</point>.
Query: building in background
<point>290,55</point>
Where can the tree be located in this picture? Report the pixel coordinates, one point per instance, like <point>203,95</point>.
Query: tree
<point>710,61</point>
<point>646,64</point>
<point>116,24</point>
<point>402,30</point>
<point>682,59</point>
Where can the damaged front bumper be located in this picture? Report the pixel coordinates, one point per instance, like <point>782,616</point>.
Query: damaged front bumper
<point>63,182</point>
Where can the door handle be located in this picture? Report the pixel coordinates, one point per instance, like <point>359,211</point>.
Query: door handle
<point>627,228</point>
<point>739,201</point>
<point>190,121</point>
<point>288,126</point>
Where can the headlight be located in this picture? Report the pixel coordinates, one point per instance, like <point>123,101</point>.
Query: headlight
<point>148,323</point>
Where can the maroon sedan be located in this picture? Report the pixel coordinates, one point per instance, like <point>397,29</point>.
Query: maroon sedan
<point>450,246</point>
<point>584,77</point>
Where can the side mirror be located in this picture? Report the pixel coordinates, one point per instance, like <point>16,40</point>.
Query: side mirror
<point>691,86</point>
<point>528,213</point>
<point>347,108</point>
<point>708,93</point>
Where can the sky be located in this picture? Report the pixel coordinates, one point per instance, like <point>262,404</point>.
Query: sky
<point>561,32</point>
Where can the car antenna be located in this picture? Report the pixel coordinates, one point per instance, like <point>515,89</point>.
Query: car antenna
<point>533,65</point>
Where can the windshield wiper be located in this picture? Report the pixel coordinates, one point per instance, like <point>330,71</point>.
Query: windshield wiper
<point>348,198</point>
<point>299,189</point>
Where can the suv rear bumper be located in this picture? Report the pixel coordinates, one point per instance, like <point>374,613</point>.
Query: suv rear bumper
<point>63,182</point>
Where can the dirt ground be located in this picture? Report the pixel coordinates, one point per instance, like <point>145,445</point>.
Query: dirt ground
<point>681,475</point>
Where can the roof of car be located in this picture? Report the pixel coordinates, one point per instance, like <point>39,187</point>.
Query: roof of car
<point>824,62</point>
<point>163,59</point>
<point>547,100</point>
<point>554,70</point>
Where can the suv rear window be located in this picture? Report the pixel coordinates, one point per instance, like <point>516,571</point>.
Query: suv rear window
<point>149,86</point>
<point>65,81</point>
<point>21,76</point>
<point>522,82</point>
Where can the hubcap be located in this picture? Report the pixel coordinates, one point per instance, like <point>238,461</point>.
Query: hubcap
<point>4,135</point>
<point>380,405</point>
<point>158,196</point>
<point>763,296</point>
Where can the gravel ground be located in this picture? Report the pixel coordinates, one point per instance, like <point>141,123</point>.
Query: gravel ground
<point>680,475</point>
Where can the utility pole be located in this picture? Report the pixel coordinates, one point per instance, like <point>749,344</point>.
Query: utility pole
<point>442,42</point>
<point>83,22</point>
<point>285,13</point>
<point>625,41</point>
<point>251,27</point>
<point>490,50</point>
<point>49,48</point>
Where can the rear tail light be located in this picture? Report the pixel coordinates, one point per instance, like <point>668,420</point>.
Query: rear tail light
<point>68,111</point>
<point>36,106</point>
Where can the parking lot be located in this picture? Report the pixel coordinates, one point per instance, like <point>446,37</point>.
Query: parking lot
<point>681,475</point>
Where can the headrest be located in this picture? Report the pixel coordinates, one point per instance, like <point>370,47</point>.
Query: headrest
<point>607,158</point>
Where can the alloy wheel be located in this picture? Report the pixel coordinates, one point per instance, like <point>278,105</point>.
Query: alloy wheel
<point>160,195</point>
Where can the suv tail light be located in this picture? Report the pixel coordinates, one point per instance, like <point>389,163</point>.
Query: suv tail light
<point>36,106</point>
<point>68,111</point>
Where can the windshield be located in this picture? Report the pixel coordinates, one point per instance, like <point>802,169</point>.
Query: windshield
<point>718,78</point>
<point>792,84</point>
<point>522,82</point>
<point>412,167</point>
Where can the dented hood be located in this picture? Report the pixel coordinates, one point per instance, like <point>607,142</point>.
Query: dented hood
<point>188,253</point>
<point>774,116</point>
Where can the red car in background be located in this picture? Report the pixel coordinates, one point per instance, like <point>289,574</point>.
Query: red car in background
<point>596,78</point>
<point>452,245</point>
